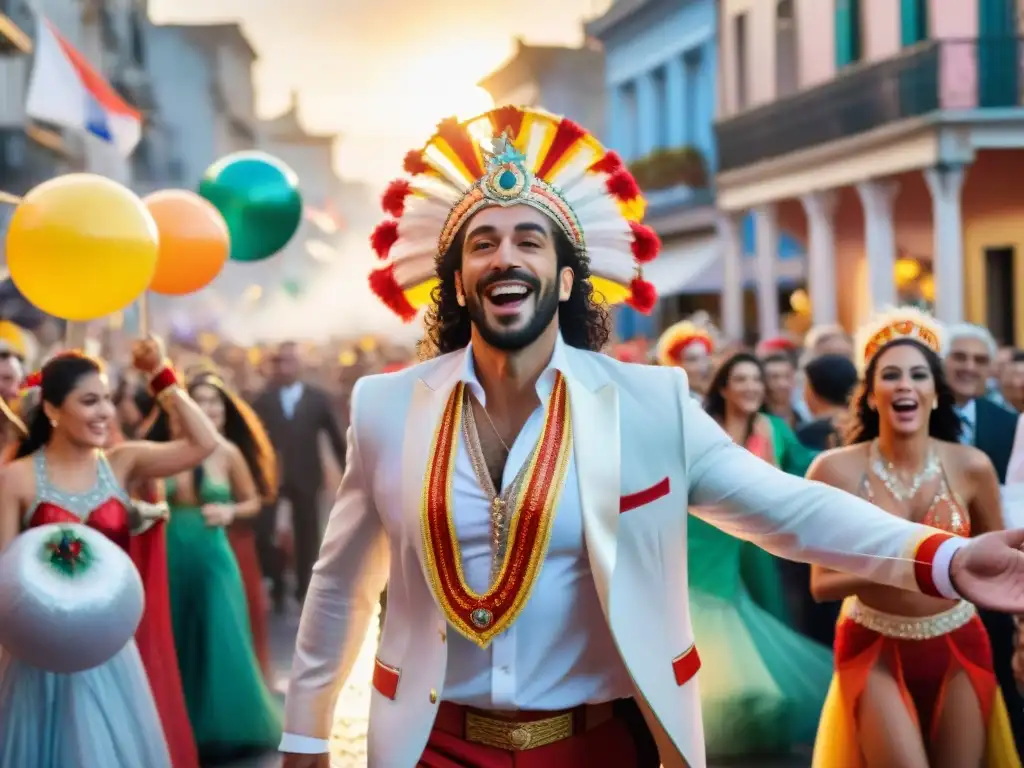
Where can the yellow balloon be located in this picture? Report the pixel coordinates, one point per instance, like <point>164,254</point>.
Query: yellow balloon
<point>81,246</point>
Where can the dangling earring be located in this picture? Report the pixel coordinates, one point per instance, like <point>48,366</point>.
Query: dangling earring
<point>935,404</point>
<point>460,299</point>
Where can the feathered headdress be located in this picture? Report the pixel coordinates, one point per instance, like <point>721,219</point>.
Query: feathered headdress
<point>512,156</point>
<point>899,323</point>
<point>678,337</point>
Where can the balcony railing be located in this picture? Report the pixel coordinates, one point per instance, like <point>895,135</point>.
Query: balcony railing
<point>937,75</point>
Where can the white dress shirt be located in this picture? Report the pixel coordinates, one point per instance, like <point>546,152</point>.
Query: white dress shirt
<point>559,652</point>
<point>290,397</point>
<point>968,422</point>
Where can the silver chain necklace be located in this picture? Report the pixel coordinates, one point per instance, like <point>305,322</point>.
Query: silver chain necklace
<point>885,471</point>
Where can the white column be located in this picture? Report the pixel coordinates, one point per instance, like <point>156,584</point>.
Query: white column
<point>675,102</point>
<point>821,255</point>
<point>646,115</point>
<point>945,183</point>
<point>731,239</point>
<point>615,120</point>
<point>766,252</point>
<point>879,241</point>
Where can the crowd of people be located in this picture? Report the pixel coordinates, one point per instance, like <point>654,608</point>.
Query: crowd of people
<point>943,463</point>
<point>575,557</point>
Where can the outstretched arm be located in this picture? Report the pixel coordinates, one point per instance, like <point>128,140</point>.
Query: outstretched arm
<point>346,585</point>
<point>806,521</point>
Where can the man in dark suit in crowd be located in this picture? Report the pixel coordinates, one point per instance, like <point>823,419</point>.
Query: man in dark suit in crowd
<point>295,413</point>
<point>991,428</point>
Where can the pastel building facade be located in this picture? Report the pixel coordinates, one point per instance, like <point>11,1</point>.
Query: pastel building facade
<point>885,134</point>
<point>660,89</point>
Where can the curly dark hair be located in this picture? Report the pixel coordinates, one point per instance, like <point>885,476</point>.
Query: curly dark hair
<point>582,318</point>
<point>714,401</point>
<point>241,426</point>
<point>943,424</point>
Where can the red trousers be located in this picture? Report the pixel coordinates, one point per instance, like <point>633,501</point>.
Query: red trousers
<point>611,744</point>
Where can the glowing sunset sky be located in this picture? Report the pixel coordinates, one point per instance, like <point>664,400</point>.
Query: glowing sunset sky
<point>382,72</point>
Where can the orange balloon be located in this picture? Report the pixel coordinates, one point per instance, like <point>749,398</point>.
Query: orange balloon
<point>194,241</point>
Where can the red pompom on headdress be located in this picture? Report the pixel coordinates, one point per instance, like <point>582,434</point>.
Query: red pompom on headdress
<point>383,237</point>
<point>393,200</point>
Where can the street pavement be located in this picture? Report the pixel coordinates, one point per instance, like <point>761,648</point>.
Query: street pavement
<point>353,706</point>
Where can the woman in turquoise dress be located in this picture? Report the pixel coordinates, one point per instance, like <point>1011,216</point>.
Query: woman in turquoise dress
<point>762,683</point>
<point>231,709</point>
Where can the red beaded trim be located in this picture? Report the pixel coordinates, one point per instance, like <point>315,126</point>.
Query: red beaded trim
<point>163,380</point>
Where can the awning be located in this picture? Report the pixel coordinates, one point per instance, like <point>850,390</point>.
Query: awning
<point>693,265</point>
<point>681,263</point>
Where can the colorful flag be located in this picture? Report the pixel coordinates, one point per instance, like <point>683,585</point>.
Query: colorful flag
<point>67,91</point>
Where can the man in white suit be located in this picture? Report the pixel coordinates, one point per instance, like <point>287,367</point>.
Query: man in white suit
<point>525,497</point>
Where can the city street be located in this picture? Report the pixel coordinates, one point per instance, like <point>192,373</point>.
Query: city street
<point>353,706</point>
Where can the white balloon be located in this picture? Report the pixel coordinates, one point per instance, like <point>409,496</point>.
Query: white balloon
<point>67,620</point>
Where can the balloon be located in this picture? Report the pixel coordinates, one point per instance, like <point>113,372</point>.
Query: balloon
<point>194,241</point>
<point>259,197</point>
<point>80,247</point>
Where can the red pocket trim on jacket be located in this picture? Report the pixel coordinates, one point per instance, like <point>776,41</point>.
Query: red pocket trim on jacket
<point>385,679</point>
<point>646,496</point>
<point>686,665</point>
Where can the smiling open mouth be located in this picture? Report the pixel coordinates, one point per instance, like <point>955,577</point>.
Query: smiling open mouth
<point>904,406</point>
<point>508,294</point>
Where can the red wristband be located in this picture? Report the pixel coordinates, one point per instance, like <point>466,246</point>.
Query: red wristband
<point>163,380</point>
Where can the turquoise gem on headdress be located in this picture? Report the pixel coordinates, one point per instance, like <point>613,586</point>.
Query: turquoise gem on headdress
<point>507,180</point>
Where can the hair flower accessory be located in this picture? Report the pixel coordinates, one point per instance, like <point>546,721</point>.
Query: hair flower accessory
<point>32,380</point>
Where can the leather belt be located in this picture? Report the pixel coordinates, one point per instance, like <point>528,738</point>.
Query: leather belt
<point>521,730</point>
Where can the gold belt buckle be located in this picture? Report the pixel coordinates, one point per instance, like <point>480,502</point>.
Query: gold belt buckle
<point>516,736</point>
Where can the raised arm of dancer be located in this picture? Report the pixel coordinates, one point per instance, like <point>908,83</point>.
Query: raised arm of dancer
<point>140,460</point>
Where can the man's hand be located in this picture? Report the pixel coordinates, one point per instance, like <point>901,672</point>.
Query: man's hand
<point>989,571</point>
<point>292,760</point>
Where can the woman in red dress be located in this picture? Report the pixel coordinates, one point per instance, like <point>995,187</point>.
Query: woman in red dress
<point>154,636</point>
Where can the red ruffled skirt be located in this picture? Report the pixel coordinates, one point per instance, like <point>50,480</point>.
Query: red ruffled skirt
<point>922,668</point>
<point>155,640</point>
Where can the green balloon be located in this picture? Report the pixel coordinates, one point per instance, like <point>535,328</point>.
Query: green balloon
<point>259,198</point>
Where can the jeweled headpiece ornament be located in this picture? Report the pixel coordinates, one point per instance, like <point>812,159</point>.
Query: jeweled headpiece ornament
<point>678,337</point>
<point>899,323</point>
<point>512,156</point>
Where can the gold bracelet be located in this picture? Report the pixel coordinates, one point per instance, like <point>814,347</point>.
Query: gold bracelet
<point>165,396</point>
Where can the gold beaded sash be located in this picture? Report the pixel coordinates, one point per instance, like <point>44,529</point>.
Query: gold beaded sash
<point>481,617</point>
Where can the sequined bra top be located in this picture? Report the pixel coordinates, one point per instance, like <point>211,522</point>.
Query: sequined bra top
<point>947,511</point>
<point>105,507</point>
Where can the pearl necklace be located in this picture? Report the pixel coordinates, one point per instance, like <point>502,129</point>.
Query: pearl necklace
<point>885,471</point>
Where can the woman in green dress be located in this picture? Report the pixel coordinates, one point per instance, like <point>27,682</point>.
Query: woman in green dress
<point>762,683</point>
<point>231,709</point>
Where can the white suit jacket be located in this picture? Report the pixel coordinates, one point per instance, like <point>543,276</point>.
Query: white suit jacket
<point>645,452</point>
